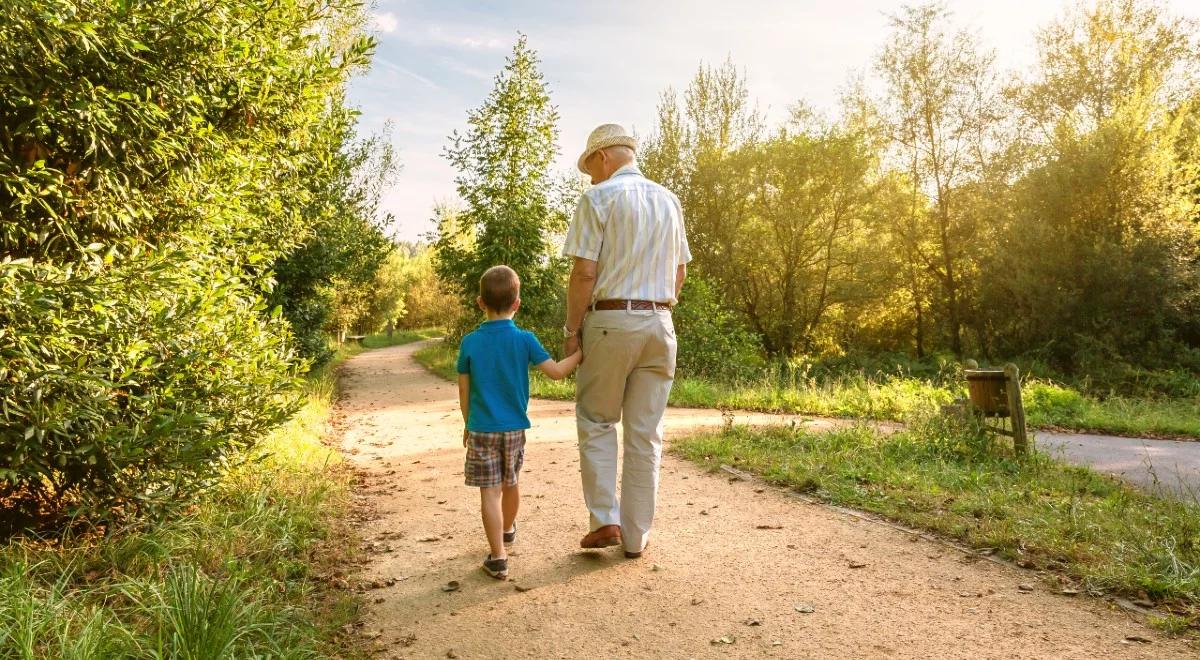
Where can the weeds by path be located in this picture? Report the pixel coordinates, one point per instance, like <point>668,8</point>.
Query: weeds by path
<point>244,573</point>
<point>1104,536</point>
<point>894,398</point>
<point>400,337</point>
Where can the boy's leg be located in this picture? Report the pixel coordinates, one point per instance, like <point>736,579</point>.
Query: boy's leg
<point>514,460</point>
<point>493,519</point>
<point>511,503</point>
<point>484,468</point>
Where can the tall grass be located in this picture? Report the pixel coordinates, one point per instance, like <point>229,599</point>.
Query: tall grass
<point>241,574</point>
<point>945,477</point>
<point>894,397</point>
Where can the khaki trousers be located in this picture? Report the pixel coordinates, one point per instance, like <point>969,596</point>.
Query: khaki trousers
<point>626,376</point>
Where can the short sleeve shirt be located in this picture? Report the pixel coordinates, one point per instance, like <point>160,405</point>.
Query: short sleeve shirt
<point>497,356</point>
<point>633,228</point>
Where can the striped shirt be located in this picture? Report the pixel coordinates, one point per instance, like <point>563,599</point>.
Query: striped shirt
<point>633,228</point>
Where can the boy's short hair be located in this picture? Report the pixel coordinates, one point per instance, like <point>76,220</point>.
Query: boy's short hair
<point>499,288</point>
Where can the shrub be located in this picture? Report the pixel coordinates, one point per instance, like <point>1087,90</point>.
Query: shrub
<point>157,158</point>
<point>712,341</point>
<point>1049,401</point>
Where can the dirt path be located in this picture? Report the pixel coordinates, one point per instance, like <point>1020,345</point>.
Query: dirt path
<point>709,576</point>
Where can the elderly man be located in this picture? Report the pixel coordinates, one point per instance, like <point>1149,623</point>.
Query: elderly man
<point>631,256</point>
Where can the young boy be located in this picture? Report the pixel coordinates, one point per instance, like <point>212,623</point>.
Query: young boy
<point>493,390</point>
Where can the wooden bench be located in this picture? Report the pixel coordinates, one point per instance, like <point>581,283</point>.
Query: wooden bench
<point>356,339</point>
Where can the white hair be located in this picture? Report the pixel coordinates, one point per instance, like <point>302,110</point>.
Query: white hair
<point>620,152</point>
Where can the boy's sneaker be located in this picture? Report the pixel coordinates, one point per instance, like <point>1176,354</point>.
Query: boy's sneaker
<point>497,568</point>
<point>509,537</point>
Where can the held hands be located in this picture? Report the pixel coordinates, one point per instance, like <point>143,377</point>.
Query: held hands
<point>465,437</point>
<point>571,347</point>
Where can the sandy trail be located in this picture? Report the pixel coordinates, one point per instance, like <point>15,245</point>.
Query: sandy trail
<point>708,574</point>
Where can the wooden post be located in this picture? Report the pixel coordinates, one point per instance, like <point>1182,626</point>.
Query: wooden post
<point>1016,409</point>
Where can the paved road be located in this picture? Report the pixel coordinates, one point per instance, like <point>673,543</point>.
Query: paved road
<point>1170,467</point>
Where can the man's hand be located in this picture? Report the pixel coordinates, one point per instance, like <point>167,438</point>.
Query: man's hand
<point>570,346</point>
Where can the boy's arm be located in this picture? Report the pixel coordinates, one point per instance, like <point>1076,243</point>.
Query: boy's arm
<point>561,369</point>
<point>464,400</point>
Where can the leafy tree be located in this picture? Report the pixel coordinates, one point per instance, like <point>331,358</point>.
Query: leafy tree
<point>326,284</point>
<point>694,152</point>
<point>425,299</point>
<point>1099,261</point>
<point>155,160</point>
<point>512,210</point>
<point>940,110</point>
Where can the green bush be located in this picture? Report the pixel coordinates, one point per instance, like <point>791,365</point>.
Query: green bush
<point>128,383</point>
<point>157,159</point>
<point>712,341</point>
<point>243,575</point>
<point>1049,401</point>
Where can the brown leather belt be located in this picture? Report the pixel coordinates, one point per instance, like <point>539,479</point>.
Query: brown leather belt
<point>641,305</point>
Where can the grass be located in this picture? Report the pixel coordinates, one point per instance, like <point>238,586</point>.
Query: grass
<point>243,573</point>
<point>400,337</point>
<point>935,475</point>
<point>899,398</point>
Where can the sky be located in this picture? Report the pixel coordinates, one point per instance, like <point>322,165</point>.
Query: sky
<point>610,62</point>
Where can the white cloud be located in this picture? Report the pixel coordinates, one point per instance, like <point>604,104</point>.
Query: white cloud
<point>424,33</point>
<point>463,69</point>
<point>384,21</point>
<point>459,37</point>
<point>385,63</point>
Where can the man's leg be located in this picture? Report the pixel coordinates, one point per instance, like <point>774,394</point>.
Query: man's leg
<point>599,390</point>
<point>646,394</point>
<point>493,523</point>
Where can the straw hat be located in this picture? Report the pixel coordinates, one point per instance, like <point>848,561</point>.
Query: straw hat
<point>606,135</point>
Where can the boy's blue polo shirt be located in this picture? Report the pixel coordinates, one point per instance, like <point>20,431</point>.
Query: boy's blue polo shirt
<point>497,356</point>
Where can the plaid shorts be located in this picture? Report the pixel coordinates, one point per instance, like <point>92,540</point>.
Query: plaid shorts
<point>494,458</point>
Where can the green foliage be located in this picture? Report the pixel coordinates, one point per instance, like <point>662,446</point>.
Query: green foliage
<point>1052,220</point>
<point>1099,259</point>
<point>330,282</point>
<point>712,342</point>
<point>512,206</point>
<point>156,159</point>
<point>241,576</point>
<point>939,112</point>
<point>861,388</point>
<point>128,386</point>
<point>948,478</point>
<point>426,301</point>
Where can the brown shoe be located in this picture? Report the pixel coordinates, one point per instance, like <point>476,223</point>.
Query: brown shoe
<point>605,537</point>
